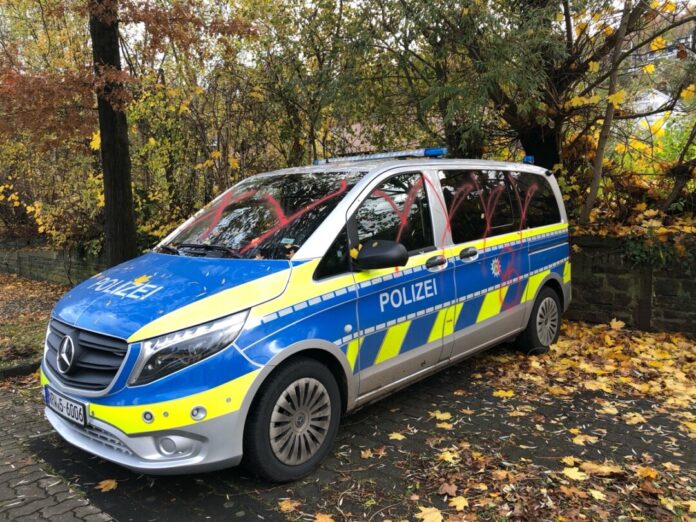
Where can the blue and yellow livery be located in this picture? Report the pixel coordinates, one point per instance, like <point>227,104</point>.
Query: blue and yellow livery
<point>298,296</point>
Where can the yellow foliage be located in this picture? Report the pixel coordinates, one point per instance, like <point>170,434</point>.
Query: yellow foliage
<point>95,143</point>
<point>441,416</point>
<point>574,473</point>
<point>429,514</point>
<point>646,472</point>
<point>658,44</point>
<point>617,98</point>
<point>649,68</point>
<point>579,101</point>
<point>593,67</point>
<point>459,503</point>
<point>448,456</point>
<point>689,92</point>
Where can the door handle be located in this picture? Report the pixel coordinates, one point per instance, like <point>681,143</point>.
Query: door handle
<point>435,261</point>
<point>468,253</point>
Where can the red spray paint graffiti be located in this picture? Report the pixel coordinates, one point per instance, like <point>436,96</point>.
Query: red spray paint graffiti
<point>488,201</point>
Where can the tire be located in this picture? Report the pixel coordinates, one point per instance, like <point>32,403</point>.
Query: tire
<point>544,324</point>
<point>290,404</point>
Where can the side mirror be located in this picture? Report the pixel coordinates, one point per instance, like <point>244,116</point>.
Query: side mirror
<point>381,253</point>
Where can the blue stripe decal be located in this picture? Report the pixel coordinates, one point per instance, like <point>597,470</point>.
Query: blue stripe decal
<point>469,313</point>
<point>368,350</point>
<point>418,332</point>
<point>513,296</point>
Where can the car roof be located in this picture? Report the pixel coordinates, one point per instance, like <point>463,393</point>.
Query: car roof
<point>375,166</point>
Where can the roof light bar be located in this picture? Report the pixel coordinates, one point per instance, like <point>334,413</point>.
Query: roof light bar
<point>429,152</point>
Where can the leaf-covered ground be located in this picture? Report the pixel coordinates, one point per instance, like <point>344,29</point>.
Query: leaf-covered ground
<point>603,427</point>
<point>25,306</point>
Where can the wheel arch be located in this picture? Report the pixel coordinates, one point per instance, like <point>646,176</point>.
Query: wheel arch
<point>325,352</point>
<point>553,281</point>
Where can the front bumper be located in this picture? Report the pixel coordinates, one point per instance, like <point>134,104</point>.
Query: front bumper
<point>204,446</point>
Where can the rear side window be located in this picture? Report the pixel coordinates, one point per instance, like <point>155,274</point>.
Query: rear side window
<point>397,210</point>
<point>478,203</point>
<point>538,205</point>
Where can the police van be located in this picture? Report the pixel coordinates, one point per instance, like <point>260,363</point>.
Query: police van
<point>298,296</point>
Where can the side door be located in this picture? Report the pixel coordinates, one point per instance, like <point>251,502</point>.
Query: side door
<point>401,310</point>
<point>490,254</point>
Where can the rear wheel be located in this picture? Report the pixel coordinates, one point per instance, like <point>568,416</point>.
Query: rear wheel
<point>544,325</point>
<point>293,422</point>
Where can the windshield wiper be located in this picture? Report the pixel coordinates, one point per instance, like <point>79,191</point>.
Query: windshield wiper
<point>231,252</point>
<point>169,249</point>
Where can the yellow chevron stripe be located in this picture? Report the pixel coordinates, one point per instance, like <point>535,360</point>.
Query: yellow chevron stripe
<point>391,345</point>
<point>530,290</point>
<point>352,351</point>
<point>566,272</point>
<point>445,321</point>
<point>452,317</point>
<point>438,328</point>
<point>492,303</point>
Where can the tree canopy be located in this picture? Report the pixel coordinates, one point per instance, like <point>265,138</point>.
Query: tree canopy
<point>601,93</point>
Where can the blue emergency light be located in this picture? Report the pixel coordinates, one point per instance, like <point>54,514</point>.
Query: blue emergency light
<point>429,152</point>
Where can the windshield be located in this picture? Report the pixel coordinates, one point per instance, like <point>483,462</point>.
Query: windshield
<point>267,217</point>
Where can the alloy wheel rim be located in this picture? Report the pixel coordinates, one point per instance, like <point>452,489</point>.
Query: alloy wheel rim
<point>547,321</point>
<point>300,421</point>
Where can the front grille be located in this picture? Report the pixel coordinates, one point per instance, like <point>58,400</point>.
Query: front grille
<point>106,439</point>
<point>97,357</point>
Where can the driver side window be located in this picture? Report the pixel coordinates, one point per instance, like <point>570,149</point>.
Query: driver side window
<point>397,210</point>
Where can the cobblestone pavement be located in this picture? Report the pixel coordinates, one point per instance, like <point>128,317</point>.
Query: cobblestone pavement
<point>41,477</point>
<point>29,488</point>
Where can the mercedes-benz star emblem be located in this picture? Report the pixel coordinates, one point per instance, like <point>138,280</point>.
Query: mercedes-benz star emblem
<point>66,355</point>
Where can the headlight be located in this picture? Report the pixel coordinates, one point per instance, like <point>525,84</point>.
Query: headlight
<point>172,352</point>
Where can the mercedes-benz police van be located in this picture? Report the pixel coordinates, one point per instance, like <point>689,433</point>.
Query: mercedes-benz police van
<point>298,296</point>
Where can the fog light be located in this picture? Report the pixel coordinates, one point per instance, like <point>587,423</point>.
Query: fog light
<point>167,446</point>
<point>148,416</point>
<point>198,413</point>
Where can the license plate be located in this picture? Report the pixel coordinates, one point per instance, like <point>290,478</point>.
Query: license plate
<point>72,410</point>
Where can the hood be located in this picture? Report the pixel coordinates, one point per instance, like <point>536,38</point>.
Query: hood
<point>122,300</point>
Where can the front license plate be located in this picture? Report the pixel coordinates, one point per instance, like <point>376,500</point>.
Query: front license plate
<point>72,410</point>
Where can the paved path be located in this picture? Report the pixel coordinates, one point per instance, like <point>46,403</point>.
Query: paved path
<point>29,488</point>
<point>520,441</point>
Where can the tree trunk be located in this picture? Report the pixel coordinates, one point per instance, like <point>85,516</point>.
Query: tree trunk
<point>120,234</point>
<point>682,174</point>
<point>608,117</point>
<point>543,143</point>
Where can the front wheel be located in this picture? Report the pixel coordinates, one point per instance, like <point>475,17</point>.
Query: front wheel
<point>293,422</point>
<point>544,324</point>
